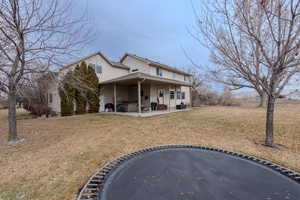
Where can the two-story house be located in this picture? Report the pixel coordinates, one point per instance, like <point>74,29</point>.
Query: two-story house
<point>133,84</point>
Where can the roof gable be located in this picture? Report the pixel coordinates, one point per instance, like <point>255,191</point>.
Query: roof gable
<point>111,63</point>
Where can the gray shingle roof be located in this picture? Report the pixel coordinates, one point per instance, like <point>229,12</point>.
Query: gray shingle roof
<point>112,63</point>
<point>118,64</point>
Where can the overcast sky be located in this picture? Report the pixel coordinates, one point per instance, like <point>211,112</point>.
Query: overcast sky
<point>156,29</point>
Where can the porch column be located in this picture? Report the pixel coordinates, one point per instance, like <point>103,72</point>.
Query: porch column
<point>180,97</point>
<point>175,96</point>
<point>169,98</point>
<point>150,97</point>
<point>191,96</point>
<point>115,97</point>
<point>139,97</point>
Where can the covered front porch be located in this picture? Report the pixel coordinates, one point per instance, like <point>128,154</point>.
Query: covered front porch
<point>139,94</point>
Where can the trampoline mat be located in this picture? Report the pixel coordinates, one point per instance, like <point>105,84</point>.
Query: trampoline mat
<point>196,174</point>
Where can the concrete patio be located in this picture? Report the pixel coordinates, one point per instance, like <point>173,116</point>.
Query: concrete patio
<point>146,114</point>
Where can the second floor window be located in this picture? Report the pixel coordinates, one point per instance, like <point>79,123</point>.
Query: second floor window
<point>187,78</point>
<point>158,71</point>
<point>97,68</point>
<point>174,75</point>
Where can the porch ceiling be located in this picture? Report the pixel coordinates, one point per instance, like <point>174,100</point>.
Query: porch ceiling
<point>133,78</point>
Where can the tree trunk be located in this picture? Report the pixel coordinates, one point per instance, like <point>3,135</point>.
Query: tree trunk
<point>263,100</point>
<point>269,123</point>
<point>12,117</point>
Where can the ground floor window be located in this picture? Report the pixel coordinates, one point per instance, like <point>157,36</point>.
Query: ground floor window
<point>178,94</point>
<point>50,98</point>
<point>182,95</point>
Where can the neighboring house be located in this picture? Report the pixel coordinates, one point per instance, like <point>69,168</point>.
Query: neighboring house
<point>134,84</point>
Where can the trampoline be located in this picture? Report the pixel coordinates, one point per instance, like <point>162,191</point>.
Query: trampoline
<point>191,173</point>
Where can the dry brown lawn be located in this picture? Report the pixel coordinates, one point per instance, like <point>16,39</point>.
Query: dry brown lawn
<point>61,153</point>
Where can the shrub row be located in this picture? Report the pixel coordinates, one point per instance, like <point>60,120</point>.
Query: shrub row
<point>203,97</point>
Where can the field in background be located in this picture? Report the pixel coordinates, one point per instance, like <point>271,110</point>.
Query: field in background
<point>61,153</point>
<point>252,102</point>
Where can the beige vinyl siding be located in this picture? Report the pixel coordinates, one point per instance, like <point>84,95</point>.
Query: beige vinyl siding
<point>106,96</point>
<point>154,94</point>
<point>167,74</point>
<point>124,93</point>
<point>187,99</point>
<point>136,64</point>
<point>129,93</point>
<point>145,68</point>
<point>108,72</point>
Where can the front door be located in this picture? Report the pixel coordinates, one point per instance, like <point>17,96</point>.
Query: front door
<point>172,98</point>
<point>161,96</point>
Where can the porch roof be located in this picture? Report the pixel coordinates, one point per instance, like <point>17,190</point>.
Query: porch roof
<point>137,76</point>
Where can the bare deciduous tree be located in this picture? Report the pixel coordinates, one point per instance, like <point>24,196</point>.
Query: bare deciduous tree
<point>34,36</point>
<point>197,82</point>
<point>254,44</point>
<point>234,63</point>
<point>196,79</point>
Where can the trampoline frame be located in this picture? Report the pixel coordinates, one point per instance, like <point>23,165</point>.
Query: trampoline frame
<point>92,189</point>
